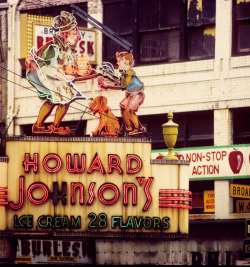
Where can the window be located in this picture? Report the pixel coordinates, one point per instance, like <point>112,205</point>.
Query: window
<point>241,126</point>
<point>119,15</point>
<point>201,29</point>
<point>161,30</point>
<point>241,27</point>
<point>202,197</point>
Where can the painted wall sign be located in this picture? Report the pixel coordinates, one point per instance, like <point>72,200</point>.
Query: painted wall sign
<point>214,163</point>
<point>55,251</point>
<point>90,186</point>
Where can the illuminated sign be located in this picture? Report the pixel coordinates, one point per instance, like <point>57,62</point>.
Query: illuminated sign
<point>214,163</point>
<point>92,186</point>
<point>238,190</point>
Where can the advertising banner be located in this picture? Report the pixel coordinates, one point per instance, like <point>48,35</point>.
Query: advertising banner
<point>214,163</point>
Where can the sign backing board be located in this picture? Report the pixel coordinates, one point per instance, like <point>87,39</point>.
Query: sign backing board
<point>89,186</point>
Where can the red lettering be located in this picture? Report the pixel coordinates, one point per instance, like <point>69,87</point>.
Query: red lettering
<point>90,48</point>
<point>194,171</point>
<point>21,195</point>
<point>96,165</point>
<point>3,196</point>
<point>147,194</point>
<point>58,165</point>
<point>91,193</point>
<point>76,168</point>
<point>39,41</point>
<point>114,162</point>
<point>126,187</point>
<point>28,163</point>
<point>108,186</point>
<point>74,186</point>
<point>130,158</point>
<point>40,186</point>
<point>48,39</point>
<point>81,46</point>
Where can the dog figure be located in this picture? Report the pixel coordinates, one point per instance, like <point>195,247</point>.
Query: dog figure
<point>108,123</point>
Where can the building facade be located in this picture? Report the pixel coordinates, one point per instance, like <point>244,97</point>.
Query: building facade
<point>193,57</point>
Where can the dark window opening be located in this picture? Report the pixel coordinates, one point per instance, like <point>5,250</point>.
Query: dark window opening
<point>241,28</point>
<point>195,129</point>
<point>161,30</point>
<point>198,188</point>
<point>241,126</point>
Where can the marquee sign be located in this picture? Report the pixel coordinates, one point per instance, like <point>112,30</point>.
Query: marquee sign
<point>212,163</point>
<point>107,186</point>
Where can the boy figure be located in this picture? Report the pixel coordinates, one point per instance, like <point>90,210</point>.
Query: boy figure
<point>134,95</point>
<point>51,70</point>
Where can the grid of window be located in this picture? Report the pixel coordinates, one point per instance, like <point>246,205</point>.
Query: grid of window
<point>161,30</point>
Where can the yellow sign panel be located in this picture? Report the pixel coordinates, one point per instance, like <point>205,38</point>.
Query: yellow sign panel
<point>93,186</point>
<point>242,206</point>
<point>23,260</point>
<point>241,191</point>
<point>209,201</point>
